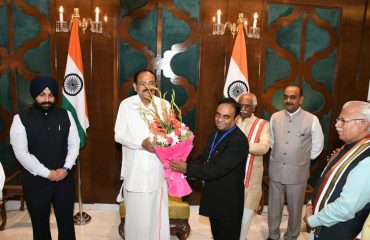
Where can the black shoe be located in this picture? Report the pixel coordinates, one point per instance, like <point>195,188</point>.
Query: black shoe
<point>269,239</point>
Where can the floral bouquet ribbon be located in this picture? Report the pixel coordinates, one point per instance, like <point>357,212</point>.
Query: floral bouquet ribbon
<point>177,184</point>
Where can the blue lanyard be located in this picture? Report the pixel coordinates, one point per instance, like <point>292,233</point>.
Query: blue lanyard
<point>213,146</point>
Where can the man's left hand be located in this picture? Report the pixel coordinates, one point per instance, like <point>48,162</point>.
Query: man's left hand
<point>178,166</point>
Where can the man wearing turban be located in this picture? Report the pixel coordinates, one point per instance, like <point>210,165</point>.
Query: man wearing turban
<point>46,143</point>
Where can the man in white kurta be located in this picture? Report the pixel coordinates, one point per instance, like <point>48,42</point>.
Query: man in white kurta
<point>257,132</point>
<point>144,187</point>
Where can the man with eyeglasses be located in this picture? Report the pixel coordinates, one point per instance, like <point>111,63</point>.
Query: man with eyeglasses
<point>296,138</point>
<point>144,189</point>
<point>341,199</point>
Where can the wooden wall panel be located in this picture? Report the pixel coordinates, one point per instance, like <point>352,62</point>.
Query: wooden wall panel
<point>24,53</point>
<point>351,61</point>
<point>101,158</point>
<point>215,58</point>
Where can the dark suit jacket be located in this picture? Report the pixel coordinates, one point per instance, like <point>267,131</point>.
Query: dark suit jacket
<point>223,191</point>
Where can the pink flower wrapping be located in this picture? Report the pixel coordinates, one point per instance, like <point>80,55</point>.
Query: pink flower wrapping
<point>177,184</point>
<point>172,139</point>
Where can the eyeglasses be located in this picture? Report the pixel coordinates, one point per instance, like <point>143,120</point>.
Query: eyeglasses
<point>343,121</point>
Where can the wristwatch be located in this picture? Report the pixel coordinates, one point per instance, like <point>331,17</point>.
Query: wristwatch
<point>66,169</point>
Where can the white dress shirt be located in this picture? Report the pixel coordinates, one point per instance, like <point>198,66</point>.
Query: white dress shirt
<point>19,142</point>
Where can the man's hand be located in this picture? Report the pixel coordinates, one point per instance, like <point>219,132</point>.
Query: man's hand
<point>57,175</point>
<point>61,174</point>
<point>309,212</point>
<point>147,145</point>
<point>52,175</point>
<point>178,166</point>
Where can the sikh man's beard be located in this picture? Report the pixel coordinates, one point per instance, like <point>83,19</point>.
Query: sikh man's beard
<point>45,106</point>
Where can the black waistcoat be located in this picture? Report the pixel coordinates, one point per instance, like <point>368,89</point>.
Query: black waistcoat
<point>349,229</point>
<point>47,136</point>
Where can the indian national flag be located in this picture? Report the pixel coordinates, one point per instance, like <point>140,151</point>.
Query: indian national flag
<point>237,76</point>
<point>74,97</point>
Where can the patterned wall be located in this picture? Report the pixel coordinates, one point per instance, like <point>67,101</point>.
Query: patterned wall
<point>24,53</point>
<point>301,49</point>
<point>162,36</point>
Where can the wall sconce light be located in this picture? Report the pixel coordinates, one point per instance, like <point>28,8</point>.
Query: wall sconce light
<point>95,26</point>
<point>251,31</point>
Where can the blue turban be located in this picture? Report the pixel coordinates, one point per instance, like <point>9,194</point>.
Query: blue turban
<point>39,83</point>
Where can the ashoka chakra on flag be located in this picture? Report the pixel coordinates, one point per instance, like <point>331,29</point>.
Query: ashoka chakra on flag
<point>73,84</point>
<point>236,88</point>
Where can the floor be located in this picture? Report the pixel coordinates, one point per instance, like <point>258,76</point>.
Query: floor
<point>105,220</point>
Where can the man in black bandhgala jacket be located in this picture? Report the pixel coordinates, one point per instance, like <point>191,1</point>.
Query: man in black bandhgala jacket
<point>45,141</point>
<point>221,167</point>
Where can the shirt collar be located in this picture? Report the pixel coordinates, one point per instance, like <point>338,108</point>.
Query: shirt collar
<point>292,114</point>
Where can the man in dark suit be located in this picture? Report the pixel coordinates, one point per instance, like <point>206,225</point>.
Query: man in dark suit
<point>221,166</point>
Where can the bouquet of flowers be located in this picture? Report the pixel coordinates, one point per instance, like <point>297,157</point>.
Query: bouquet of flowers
<point>172,140</point>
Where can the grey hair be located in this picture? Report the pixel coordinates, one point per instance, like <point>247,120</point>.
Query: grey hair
<point>364,112</point>
<point>254,98</point>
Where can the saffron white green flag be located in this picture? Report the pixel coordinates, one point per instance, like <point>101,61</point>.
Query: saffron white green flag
<point>237,76</point>
<point>74,97</point>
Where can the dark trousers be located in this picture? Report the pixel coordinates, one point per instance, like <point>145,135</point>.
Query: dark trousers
<point>225,229</point>
<point>39,200</point>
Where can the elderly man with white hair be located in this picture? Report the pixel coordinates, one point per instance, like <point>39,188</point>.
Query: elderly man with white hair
<point>258,134</point>
<point>341,199</point>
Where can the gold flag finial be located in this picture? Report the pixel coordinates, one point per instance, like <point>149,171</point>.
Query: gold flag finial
<point>76,13</point>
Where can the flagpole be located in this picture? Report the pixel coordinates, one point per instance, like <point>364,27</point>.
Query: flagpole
<point>80,218</point>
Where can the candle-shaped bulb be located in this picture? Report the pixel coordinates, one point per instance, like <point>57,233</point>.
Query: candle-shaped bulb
<point>105,18</point>
<point>218,16</point>
<point>245,22</point>
<point>255,16</point>
<point>214,19</point>
<point>97,11</point>
<point>61,10</point>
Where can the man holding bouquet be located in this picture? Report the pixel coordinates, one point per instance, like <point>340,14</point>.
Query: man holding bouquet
<point>222,168</point>
<point>145,189</point>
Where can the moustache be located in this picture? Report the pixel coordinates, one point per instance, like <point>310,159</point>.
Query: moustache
<point>46,103</point>
<point>149,89</point>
